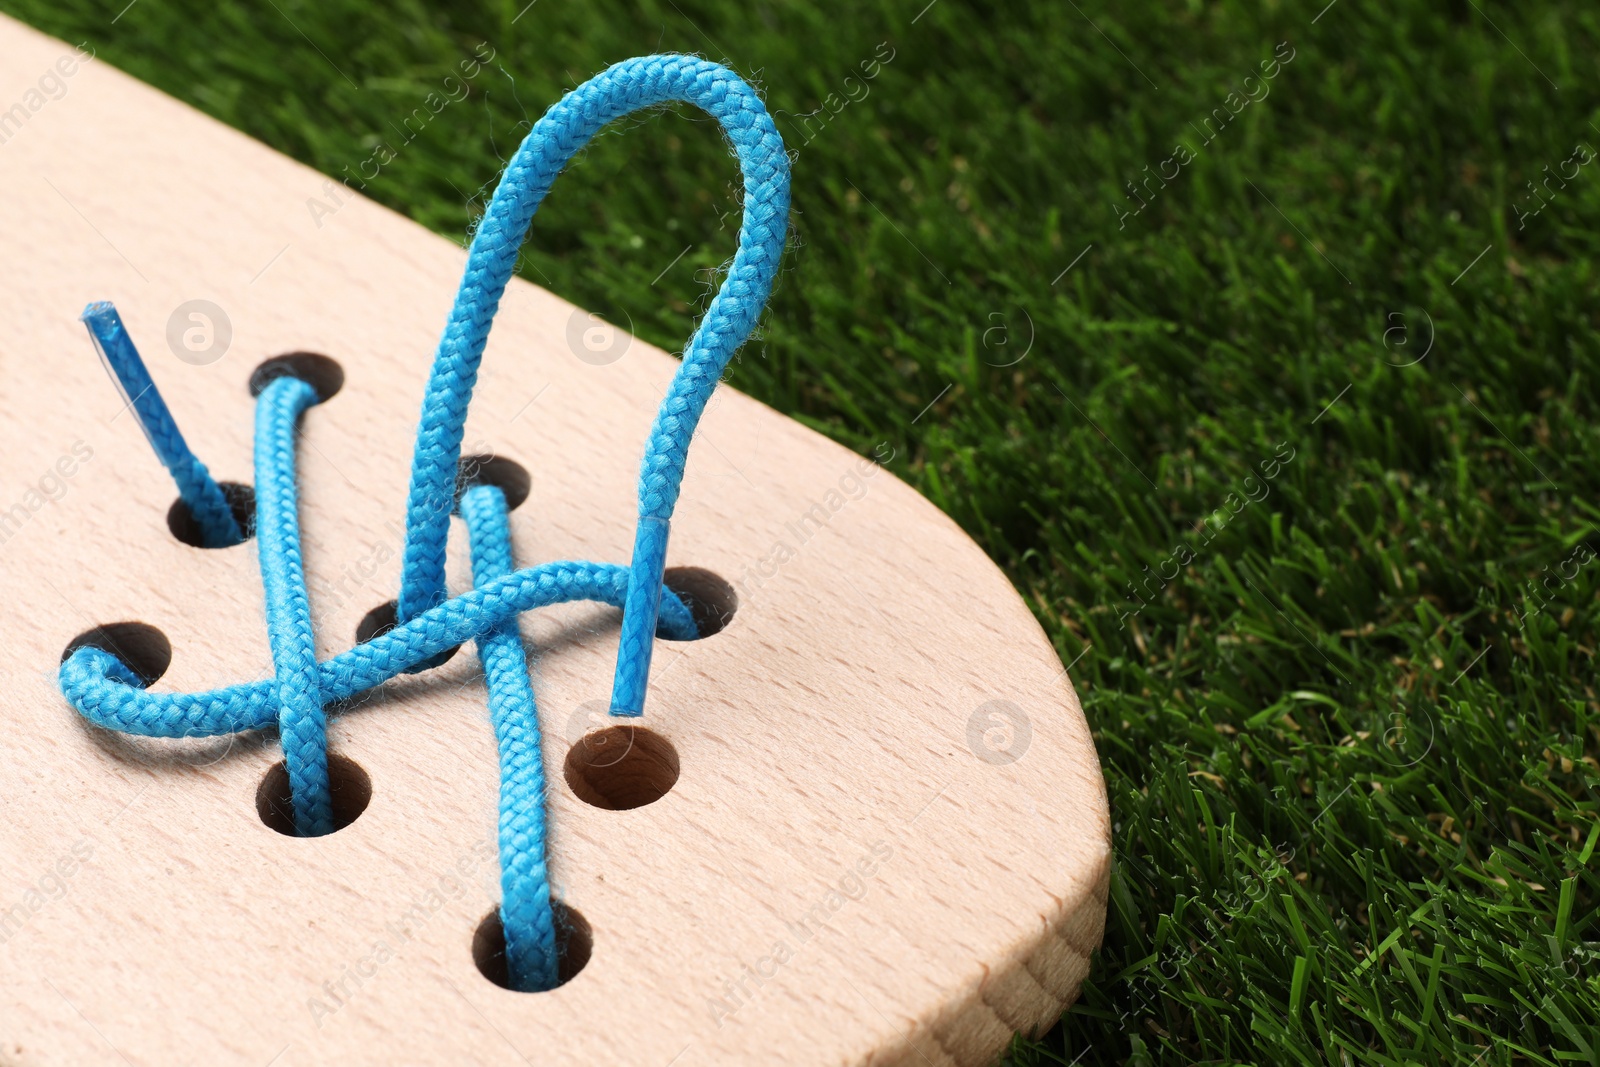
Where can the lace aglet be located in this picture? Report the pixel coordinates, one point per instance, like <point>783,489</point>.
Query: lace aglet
<point>199,491</point>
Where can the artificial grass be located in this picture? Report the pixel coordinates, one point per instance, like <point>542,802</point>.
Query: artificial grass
<point>1331,609</point>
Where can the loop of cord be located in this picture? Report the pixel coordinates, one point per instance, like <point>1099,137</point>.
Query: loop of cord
<point>555,138</point>
<point>110,694</point>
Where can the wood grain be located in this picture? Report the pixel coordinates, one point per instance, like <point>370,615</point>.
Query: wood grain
<point>852,867</point>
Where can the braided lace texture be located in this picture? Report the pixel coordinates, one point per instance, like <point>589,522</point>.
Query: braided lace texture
<point>110,694</point>
<point>526,913</point>
<point>564,129</point>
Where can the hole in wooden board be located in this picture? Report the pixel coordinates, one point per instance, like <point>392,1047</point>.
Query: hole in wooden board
<point>622,767</point>
<point>351,788</point>
<point>141,647</point>
<point>490,469</point>
<point>318,371</point>
<point>574,945</point>
<point>385,617</point>
<point>241,501</point>
<point>709,598</point>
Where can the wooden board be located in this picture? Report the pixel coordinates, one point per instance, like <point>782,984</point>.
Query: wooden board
<point>889,839</point>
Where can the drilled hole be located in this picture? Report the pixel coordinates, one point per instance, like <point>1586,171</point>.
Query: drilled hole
<point>574,945</point>
<point>351,788</point>
<point>141,647</point>
<point>508,474</point>
<point>709,598</point>
<point>622,767</point>
<point>241,501</point>
<point>318,371</point>
<point>385,617</point>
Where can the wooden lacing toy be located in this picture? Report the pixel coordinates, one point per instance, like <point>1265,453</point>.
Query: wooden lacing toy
<point>862,821</point>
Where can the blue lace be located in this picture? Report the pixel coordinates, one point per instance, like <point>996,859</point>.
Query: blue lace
<point>110,694</point>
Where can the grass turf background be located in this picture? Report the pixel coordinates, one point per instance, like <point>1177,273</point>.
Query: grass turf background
<point>1349,742</point>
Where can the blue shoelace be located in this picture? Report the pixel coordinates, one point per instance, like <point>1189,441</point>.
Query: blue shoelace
<point>429,623</point>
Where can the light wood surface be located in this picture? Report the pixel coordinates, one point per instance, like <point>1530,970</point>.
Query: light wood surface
<point>842,757</point>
